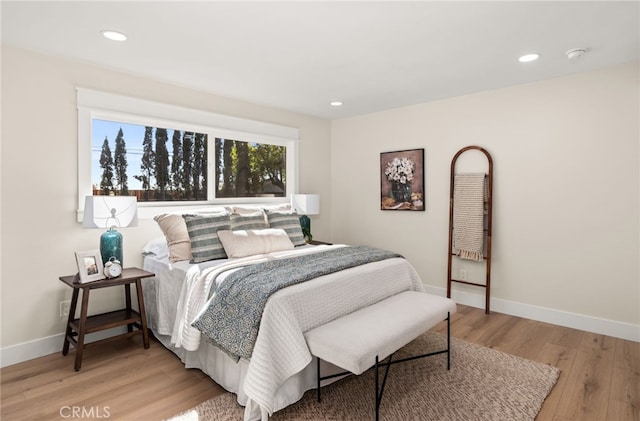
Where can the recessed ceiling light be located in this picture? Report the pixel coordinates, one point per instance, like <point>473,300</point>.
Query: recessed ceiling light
<point>529,57</point>
<point>335,103</point>
<point>114,35</point>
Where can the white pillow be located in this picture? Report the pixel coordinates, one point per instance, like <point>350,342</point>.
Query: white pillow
<point>243,243</point>
<point>157,247</point>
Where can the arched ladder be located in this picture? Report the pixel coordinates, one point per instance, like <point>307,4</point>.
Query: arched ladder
<point>488,205</point>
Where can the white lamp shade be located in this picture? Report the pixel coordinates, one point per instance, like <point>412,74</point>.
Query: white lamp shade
<point>109,211</point>
<point>306,204</point>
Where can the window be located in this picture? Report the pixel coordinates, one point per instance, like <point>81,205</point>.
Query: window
<point>155,164</point>
<point>171,156</point>
<point>244,169</point>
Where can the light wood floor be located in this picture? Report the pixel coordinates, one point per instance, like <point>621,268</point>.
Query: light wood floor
<point>600,377</point>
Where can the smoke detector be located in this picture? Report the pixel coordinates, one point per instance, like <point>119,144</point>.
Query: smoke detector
<point>576,53</point>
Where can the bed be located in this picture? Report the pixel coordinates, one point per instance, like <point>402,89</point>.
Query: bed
<point>279,369</point>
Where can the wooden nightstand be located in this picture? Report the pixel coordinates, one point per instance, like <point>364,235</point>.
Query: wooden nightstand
<point>88,324</point>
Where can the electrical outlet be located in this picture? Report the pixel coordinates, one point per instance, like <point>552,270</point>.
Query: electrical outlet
<point>463,274</point>
<point>64,308</point>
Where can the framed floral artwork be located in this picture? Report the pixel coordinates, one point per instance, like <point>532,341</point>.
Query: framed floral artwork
<point>402,180</point>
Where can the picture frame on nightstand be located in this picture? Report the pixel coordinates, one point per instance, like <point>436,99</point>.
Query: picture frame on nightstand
<point>90,266</point>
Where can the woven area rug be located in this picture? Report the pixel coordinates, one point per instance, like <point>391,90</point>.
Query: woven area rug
<point>483,384</point>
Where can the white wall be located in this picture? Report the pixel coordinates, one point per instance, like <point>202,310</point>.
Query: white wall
<point>39,185</point>
<point>566,193</point>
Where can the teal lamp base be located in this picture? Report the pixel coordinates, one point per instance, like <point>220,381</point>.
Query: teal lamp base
<point>111,245</point>
<point>305,223</point>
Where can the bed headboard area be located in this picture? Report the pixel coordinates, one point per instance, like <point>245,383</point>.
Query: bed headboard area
<point>221,233</point>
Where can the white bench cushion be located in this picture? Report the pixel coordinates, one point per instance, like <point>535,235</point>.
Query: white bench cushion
<point>353,341</point>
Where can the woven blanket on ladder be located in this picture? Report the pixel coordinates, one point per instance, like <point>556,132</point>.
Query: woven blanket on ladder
<point>469,193</point>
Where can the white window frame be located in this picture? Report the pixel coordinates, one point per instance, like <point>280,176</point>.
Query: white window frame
<point>107,106</point>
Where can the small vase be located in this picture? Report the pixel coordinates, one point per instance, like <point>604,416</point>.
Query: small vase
<point>401,192</point>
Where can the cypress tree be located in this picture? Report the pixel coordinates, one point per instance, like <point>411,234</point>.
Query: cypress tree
<point>106,163</point>
<point>120,164</point>
<point>176,164</point>
<point>218,165</point>
<point>148,161</point>
<point>227,170</point>
<point>242,170</point>
<point>187,164</point>
<point>199,166</point>
<point>162,162</point>
<point>204,158</point>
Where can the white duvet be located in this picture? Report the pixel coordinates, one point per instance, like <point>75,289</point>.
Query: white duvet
<point>280,350</point>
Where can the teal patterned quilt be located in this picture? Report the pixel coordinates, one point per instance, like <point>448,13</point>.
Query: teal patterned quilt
<point>232,319</point>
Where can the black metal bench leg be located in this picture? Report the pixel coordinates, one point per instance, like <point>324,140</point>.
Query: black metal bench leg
<point>380,389</point>
<point>318,385</point>
<point>448,341</point>
<point>377,395</point>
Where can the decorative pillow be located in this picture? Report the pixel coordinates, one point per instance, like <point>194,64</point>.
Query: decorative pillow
<point>250,210</point>
<point>255,221</point>
<point>210,211</point>
<point>203,234</point>
<point>290,222</point>
<point>244,243</point>
<point>282,207</point>
<point>175,231</point>
<point>245,211</point>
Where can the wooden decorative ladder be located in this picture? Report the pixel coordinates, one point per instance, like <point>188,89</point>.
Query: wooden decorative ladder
<point>487,229</point>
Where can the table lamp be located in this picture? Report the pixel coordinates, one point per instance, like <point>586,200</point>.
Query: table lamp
<point>110,212</point>
<point>306,204</point>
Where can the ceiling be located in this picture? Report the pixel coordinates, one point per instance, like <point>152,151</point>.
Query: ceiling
<point>300,56</point>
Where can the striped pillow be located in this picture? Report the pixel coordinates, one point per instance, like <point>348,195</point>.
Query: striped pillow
<point>290,222</point>
<point>203,233</point>
<point>256,221</point>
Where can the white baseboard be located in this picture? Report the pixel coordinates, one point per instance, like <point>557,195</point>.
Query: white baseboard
<point>621,330</point>
<point>52,344</point>
<point>37,348</point>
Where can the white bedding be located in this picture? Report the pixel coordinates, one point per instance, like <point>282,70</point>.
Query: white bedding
<point>279,371</point>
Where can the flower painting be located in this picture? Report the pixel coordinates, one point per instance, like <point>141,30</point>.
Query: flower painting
<point>402,180</point>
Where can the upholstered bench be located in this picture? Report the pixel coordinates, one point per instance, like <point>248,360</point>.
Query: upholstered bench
<point>364,338</point>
